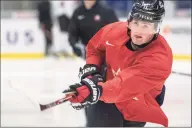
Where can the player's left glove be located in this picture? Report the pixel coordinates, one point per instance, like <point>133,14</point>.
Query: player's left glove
<point>88,92</point>
<point>88,70</point>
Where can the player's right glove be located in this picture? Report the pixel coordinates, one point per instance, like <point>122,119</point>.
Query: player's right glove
<point>88,70</point>
<point>87,91</point>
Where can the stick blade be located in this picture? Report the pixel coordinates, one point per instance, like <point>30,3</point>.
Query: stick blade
<point>42,107</point>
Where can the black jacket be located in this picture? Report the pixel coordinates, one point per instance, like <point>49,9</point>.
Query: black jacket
<point>44,12</point>
<point>85,23</point>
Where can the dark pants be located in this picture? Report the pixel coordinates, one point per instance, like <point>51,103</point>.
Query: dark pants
<point>47,31</point>
<point>63,23</point>
<point>107,115</point>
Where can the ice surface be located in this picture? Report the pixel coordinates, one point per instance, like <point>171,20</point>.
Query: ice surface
<point>24,83</point>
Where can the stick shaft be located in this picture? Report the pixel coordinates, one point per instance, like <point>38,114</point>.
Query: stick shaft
<point>181,73</point>
<point>57,102</point>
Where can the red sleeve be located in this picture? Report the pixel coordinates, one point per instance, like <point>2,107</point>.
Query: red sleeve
<point>144,75</point>
<point>95,49</point>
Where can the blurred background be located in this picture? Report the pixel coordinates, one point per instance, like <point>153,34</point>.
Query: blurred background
<point>26,67</point>
<point>20,31</point>
<point>30,36</point>
<point>176,8</point>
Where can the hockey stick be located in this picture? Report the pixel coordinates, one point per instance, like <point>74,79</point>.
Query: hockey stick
<point>37,104</point>
<point>181,73</point>
<point>57,102</point>
<point>34,102</point>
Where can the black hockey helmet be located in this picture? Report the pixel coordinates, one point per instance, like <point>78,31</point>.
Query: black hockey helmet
<point>147,10</point>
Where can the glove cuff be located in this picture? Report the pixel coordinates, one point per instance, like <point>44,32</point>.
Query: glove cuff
<point>89,70</point>
<point>100,89</point>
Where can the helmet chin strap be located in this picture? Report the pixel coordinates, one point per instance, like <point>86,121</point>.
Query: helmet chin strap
<point>144,44</point>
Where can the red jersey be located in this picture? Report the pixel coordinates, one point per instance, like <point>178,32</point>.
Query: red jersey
<point>134,78</point>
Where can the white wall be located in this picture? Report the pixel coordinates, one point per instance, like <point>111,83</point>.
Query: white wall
<point>21,36</point>
<point>178,35</point>
<point>24,36</point>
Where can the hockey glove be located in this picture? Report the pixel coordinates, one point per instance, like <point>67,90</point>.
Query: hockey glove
<point>88,70</point>
<point>88,92</point>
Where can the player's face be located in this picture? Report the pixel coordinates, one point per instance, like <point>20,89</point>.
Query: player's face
<point>89,3</point>
<point>141,31</point>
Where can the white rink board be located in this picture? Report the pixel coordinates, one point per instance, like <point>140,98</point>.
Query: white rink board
<point>178,35</point>
<point>21,36</point>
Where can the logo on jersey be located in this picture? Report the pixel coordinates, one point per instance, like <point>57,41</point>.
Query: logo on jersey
<point>97,17</point>
<point>115,73</point>
<point>80,17</point>
<point>107,43</point>
<point>135,98</point>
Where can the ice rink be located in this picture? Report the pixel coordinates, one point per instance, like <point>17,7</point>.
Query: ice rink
<point>24,83</point>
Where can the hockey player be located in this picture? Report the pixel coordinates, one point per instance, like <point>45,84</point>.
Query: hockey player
<point>86,21</point>
<point>45,23</point>
<point>62,11</point>
<point>138,60</point>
